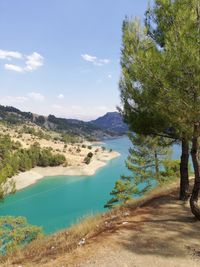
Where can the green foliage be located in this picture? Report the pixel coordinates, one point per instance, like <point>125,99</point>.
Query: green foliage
<point>90,155</point>
<point>13,115</point>
<point>15,232</point>
<point>88,158</point>
<point>14,159</point>
<point>171,171</point>
<point>145,163</point>
<point>160,81</point>
<point>38,133</point>
<point>157,92</point>
<point>68,138</point>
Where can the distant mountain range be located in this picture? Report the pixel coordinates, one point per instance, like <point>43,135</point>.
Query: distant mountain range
<point>108,126</point>
<point>111,121</point>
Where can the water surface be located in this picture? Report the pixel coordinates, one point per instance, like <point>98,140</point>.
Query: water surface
<point>59,201</point>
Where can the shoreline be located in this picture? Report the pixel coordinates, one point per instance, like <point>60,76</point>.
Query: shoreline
<point>25,179</point>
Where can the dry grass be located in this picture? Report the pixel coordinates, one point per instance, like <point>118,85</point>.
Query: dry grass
<point>50,247</point>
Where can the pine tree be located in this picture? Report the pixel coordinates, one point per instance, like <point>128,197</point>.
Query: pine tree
<point>145,164</point>
<point>160,85</point>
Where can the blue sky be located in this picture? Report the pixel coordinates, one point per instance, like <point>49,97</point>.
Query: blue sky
<point>62,57</point>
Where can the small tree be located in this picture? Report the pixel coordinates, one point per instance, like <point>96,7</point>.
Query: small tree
<point>145,162</point>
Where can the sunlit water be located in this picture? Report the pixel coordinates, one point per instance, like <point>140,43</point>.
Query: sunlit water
<point>60,201</point>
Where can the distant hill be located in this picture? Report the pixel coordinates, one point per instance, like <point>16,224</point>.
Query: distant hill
<point>97,129</point>
<point>111,121</point>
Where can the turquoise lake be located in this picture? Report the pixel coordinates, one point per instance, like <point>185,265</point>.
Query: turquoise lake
<point>60,201</point>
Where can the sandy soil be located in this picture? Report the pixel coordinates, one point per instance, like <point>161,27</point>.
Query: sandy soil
<point>25,179</point>
<point>163,233</point>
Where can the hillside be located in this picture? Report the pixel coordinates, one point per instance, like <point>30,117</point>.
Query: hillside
<point>155,231</point>
<point>88,130</point>
<point>26,148</point>
<point>111,121</point>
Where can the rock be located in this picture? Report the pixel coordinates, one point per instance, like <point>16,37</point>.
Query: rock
<point>81,242</point>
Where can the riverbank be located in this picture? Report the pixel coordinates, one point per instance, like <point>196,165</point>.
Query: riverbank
<point>30,177</point>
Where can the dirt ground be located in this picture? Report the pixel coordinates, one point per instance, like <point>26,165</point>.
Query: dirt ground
<point>161,233</point>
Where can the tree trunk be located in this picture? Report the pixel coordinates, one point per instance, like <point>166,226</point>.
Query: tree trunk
<point>156,165</point>
<point>184,176</point>
<point>195,192</point>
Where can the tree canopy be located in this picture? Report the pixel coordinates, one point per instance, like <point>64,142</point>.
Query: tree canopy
<point>160,81</point>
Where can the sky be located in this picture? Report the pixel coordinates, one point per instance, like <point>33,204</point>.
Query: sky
<point>62,57</point>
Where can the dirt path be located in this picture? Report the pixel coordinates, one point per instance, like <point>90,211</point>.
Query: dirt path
<point>161,233</point>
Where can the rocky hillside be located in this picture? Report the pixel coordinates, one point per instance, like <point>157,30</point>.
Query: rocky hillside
<point>90,130</point>
<point>111,121</point>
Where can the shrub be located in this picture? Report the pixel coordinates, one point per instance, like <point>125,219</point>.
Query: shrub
<point>90,155</point>
<point>87,160</point>
<point>16,232</point>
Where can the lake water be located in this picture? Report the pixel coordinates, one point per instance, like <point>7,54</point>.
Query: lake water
<point>60,201</point>
<point>57,202</point>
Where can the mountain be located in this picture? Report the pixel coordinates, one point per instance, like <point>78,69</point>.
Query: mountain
<point>89,130</point>
<point>111,121</point>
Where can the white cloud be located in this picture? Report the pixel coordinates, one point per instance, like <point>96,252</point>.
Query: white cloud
<point>31,62</point>
<point>94,60</point>
<point>60,96</point>
<point>36,96</point>
<point>89,58</point>
<point>10,54</point>
<point>109,76</point>
<point>13,67</point>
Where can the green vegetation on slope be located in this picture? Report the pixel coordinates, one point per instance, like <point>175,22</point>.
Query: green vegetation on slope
<point>14,158</point>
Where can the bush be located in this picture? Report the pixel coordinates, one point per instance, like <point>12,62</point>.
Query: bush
<point>88,158</point>
<point>16,232</point>
<point>90,155</point>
